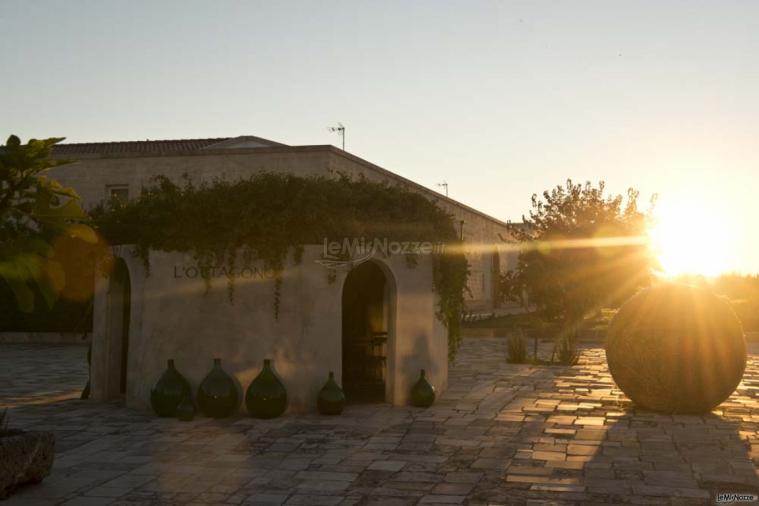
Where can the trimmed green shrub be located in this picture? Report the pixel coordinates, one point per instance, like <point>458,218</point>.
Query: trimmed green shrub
<point>676,348</point>
<point>748,313</point>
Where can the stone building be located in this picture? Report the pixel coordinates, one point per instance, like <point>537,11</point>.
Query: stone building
<point>375,324</point>
<point>121,169</point>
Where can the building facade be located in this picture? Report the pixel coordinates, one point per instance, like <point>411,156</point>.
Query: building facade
<point>122,169</point>
<point>374,323</point>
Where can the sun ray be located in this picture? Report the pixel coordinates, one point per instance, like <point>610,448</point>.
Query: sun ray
<point>692,238</point>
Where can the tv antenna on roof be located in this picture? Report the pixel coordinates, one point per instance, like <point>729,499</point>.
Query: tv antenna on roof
<point>340,129</point>
<point>444,184</point>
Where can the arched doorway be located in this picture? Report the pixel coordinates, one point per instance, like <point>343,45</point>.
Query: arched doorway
<point>119,312</point>
<point>495,278</point>
<point>367,316</point>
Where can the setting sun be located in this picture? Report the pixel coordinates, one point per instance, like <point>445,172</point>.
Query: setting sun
<point>688,238</point>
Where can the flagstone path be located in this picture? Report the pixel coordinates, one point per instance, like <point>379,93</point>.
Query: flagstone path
<point>501,434</point>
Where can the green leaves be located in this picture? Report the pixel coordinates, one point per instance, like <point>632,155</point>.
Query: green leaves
<point>13,142</point>
<point>270,215</point>
<point>21,269</point>
<point>34,210</point>
<point>582,251</point>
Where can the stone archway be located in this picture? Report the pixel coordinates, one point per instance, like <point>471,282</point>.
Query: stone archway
<point>367,333</point>
<point>119,311</point>
<point>495,278</point>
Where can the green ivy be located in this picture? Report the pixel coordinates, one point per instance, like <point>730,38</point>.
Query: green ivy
<point>269,215</point>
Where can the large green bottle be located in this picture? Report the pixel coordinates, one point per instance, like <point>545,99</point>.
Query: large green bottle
<point>266,396</point>
<point>217,394</point>
<point>422,393</point>
<point>169,391</point>
<point>331,400</point>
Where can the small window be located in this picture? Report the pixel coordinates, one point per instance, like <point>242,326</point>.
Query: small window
<point>118,192</point>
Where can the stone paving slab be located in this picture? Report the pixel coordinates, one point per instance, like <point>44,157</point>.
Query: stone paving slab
<point>41,373</point>
<point>501,434</point>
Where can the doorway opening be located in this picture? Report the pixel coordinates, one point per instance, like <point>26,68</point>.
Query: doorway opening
<point>119,312</point>
<point>495,278</point>
<point>366,315</point>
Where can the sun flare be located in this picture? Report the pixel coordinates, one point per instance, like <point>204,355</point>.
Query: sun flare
<point>689,238</point>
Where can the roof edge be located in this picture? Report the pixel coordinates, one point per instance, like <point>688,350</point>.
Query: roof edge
<point>282,148</point>
<point>414,184</point>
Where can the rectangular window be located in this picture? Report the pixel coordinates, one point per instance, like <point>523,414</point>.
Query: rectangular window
<point>119,192</point>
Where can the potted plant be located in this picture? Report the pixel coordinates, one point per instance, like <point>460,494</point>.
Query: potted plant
<point>27,457</point>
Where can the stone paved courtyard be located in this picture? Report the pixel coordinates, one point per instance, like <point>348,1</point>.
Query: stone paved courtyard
<point>501,434</point>
<point>41,373</point>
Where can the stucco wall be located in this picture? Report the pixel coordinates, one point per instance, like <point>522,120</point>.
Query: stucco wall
<point>482,235</point>
<point>92,176</point>
<point>173,316</point>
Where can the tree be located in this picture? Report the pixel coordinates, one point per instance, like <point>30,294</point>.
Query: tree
<point>35,212</point>
<point>580,251</point>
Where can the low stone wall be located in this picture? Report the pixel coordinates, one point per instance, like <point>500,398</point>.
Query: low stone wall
<point>44,338</point>
<point>591,336</point>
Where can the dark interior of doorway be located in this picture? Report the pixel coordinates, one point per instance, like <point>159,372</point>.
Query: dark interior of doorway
<point>364,334</point>
<point>120,281</point>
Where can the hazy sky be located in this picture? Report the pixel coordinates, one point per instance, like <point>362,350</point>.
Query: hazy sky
<point>499,99</point>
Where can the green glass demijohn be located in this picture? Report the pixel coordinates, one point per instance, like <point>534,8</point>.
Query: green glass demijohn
<point>266,396</point>
<point>217,394</point>
<point>331,400</point>
<point>186,409</point>
<point>169,391</point>
<point>422,393</point>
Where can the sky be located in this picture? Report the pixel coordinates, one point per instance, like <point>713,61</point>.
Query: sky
<point>498,99</point>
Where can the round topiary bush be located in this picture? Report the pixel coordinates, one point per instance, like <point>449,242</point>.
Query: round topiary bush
<point>675,348</point>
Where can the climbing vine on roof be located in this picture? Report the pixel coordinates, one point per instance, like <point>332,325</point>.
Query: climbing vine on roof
<point>266,217</point>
